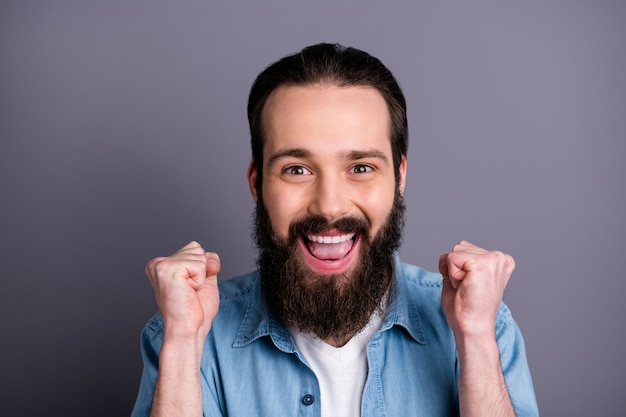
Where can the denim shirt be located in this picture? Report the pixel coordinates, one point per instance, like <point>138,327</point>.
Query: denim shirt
<point>252,367</point>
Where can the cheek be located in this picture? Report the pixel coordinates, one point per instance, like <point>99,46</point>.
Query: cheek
<point>376,205</point>
<point>282,208</point>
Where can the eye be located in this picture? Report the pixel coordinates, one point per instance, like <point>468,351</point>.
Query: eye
<point>361,169</point>
<point>296,170</point>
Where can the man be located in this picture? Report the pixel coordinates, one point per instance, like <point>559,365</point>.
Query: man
<point>333,323</point>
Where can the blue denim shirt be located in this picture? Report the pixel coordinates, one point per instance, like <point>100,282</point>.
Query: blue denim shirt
<point>252,367</point>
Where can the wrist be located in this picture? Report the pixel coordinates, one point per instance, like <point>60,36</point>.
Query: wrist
<point>183,330</point>
<point>481,329</point>
<point>182,347</point>
<point>476,343</point>
<point>479,359</point>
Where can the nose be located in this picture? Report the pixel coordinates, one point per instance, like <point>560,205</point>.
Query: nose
<point>330,198</point>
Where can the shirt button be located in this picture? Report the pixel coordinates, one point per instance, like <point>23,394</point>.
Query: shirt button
<point>308,399</point>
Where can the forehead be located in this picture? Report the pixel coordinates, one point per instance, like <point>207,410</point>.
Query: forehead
<point>326,116</point>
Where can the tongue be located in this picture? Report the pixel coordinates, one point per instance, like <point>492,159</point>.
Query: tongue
<point>330,251</point>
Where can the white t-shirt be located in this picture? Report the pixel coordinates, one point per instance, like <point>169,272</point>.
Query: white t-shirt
<point>341,371</point>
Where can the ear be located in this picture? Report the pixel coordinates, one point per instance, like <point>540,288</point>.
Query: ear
<point>402,173</point>
<point>252,180</point>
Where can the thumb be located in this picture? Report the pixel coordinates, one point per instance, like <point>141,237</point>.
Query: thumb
<point>209,293</point>
<point>213,266</point>
<point>451,273</point>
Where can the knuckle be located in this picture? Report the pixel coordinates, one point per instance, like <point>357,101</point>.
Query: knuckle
<point>499,257</point>
<point>164,266</point>
<point>504,257</point>
<point>510,258</point>
<point>150,266</point>
<point>510,262</point>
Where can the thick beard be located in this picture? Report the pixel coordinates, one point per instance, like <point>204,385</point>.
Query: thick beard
<point>331,306</point>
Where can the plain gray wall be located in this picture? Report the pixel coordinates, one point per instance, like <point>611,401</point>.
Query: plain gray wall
<point>123,136</point>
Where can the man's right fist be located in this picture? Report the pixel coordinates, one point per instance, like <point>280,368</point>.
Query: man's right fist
<point>185,287</point>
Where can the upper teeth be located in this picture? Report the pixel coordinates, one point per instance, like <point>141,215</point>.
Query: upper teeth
<point>330,239</point>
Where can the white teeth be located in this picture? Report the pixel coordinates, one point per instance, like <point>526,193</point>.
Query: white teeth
<point>330,239</point>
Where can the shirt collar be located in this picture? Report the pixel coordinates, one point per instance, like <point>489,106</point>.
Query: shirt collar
<point>403,310</point>
<point>258,322</point>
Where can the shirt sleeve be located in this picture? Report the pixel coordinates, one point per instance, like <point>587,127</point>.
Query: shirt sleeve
<point>515,365</point>
<point>151,342</point>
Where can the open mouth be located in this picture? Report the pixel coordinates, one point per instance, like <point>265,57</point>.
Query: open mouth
<point>330,247</point>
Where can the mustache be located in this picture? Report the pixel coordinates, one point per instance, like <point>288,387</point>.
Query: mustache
<point>318,224</point>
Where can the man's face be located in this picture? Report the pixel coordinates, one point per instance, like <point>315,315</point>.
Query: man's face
<point>327,153</point>
<point>328,191</point>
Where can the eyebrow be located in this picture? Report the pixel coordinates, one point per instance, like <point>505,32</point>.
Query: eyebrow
<point>348,155</point>
<point>286,153</point>
<point>356,155</point>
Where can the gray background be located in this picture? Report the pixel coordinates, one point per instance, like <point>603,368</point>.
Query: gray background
<point>123,137</point>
